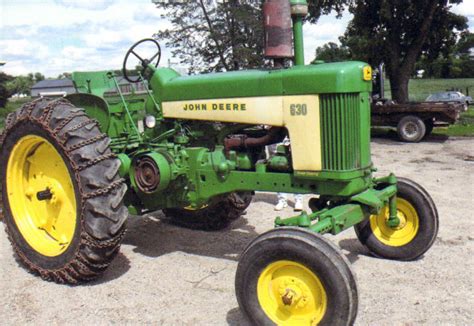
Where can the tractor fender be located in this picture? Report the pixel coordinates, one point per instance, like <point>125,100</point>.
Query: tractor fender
<point>96,108</point>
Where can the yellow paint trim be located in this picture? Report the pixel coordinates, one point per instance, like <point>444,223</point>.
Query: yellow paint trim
<point>299,114</point>
<point>35,165</point>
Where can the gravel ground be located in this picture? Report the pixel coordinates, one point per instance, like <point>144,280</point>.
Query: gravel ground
<point>167,275</point>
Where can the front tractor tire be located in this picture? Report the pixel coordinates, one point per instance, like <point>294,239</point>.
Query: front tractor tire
<point>414,235</point>
<point>292,276</point>
<point>215,216</point>
<point>62,196</point>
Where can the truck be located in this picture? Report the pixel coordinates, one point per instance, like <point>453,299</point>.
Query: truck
<point>413,121</point>
<point>74,169</point>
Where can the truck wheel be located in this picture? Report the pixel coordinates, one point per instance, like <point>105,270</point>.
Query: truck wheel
<point>411,129</point>
<point>213,217</point>
<point>62,197</point>
<point>291,276</point>
<point>415,234</point>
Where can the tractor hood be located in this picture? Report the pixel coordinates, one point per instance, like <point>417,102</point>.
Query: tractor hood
<point>341,77</point>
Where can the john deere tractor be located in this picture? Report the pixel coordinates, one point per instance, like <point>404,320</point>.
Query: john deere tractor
<point>194,146</point>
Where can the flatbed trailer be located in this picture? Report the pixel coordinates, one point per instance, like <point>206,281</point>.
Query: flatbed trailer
<point>415,120</point>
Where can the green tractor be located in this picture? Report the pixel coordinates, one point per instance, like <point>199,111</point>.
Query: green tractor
<point>194,146</point>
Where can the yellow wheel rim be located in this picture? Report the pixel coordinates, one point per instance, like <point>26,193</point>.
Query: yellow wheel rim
<point>191,208</point>
<point>400,235</point>
<point>290,294</point>
<point>34,167</point>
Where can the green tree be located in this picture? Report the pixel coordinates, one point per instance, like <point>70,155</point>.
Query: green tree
<point>317,8</point>
<point>20,85</point>
<point>226,35</point>
<point>38,77</point>
<point>463,64</point>
<point>23,84</point>
<point>65,75</point>
<point>331,52</point>
<point>4,90</point>
<point>214,37</point>
<point>455,63</point>
<point>465,43</point>
<point>399,33</point>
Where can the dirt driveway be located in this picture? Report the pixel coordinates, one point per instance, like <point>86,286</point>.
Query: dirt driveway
<point>173,276</point>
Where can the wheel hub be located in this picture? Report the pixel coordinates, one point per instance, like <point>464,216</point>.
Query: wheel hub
<point>402,220</point>
<point>44,194</point>
<point>291,293</point>
<point>294,293</point>
<point>411,129</point>
<point>401,234</point>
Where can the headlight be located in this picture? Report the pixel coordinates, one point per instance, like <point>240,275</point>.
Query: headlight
<point>150,121</point>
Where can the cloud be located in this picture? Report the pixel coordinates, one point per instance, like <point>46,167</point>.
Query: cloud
<point>23,48</point>
<point>465,8</point>
<point>54,36</point>
<point>327,29</point>
<point>96,4</point>
<point>103,38</point>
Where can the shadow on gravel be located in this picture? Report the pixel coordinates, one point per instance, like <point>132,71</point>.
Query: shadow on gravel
<point>236,318</point>
<point>391,138</point>
<point>119,266</point>
<point>269,198</point>
<point>152,236</point>
<point>354,248</point>
<point>436,138</point>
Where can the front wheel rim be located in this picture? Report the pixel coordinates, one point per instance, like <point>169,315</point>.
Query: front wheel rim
<point>402,234</point>
<point>41,196</point>
<point>291,294</point>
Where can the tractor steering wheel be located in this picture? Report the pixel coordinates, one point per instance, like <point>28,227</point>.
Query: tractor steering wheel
<point>144,62</point>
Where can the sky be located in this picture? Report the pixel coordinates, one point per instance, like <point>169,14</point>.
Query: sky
<point>56,36</point>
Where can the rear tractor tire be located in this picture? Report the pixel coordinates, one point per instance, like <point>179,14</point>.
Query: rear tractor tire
<point>292,276</point>
<point>411,129</point>
<point>215,216</point>
<point>62,196</point>
<point>414,235</point>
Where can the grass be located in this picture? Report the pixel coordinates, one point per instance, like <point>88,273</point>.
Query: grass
<point>11,106</point>
<point>464,127</point>
<point>420,89</point>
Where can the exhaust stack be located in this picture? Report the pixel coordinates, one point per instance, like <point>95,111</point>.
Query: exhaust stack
<point>283,23</point>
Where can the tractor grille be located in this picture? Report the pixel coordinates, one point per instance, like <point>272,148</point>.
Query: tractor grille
<point>340,131</point>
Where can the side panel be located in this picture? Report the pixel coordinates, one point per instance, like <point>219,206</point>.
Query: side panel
<point>301,118</point>
<point>299,114</point>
